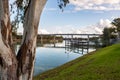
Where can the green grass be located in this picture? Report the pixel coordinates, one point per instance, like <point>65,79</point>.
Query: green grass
<point>103,64</point>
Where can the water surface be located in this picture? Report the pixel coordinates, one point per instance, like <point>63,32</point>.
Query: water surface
<point>50,57</point>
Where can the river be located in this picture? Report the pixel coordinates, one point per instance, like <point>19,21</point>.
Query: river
<point>49,57</point>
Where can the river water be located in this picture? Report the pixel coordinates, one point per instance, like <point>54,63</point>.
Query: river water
<point>50,57</point>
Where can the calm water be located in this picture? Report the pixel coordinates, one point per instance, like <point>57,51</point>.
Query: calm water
<point>49,58</point>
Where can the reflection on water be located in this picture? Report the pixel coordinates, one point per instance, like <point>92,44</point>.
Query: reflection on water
<point>50,56</point>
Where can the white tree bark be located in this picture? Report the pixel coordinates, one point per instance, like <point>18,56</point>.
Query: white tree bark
<point>8,62</point>
<point>22,67</point>
<point>26,54</point>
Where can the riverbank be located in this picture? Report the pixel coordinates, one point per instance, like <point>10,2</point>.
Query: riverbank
<point>44,39</point>
<point>103,64</point>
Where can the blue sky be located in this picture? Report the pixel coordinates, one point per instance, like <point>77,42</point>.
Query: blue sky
<point>53,19</point>
<point>77,15</point>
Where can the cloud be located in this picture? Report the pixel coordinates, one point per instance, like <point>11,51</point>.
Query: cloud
<point>105,5</point>
<point>104,23</point>
<point>60,29</point>
<point>50,9</point>
<point>94,29</point>
<point>67,29</point>
<point>42,31</point>
<point>90,29</point>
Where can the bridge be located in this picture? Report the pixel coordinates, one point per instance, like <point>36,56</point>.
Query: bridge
<point>81,41</point>
<point>70,36</point>
<point>73,34</point>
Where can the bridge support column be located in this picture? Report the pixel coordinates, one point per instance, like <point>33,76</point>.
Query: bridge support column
<point>54,40</point>
<point>41,39</point>
<point>88,43</point>
<point>71,37</point>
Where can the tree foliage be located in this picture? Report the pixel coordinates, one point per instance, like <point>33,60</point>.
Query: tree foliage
<point>22,6</point>
<point>109,36</point>
<point>113,32</point>
<point>106,37</point>
<point>116,22</point>
<point>62,3</point>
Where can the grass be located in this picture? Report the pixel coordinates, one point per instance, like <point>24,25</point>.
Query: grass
<point>103,64</point>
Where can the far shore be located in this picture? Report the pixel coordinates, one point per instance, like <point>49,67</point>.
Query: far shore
<point>45,39</point>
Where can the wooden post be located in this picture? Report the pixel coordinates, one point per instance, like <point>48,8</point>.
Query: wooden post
<point>65,45</point>
<point>71,37</point>
<point>54,40</point>
<point>88,43</point>
<point>82,47</point>
<point>41,39</point>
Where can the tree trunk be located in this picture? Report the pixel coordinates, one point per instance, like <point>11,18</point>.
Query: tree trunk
<point>8,61</point>
<point>119,36</point>
<point>22,67</point>
<point>26,54</point>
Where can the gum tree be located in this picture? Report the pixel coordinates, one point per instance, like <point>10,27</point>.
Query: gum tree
<point>20,66</point>
<point>116,23</point>
<point>106,37</point>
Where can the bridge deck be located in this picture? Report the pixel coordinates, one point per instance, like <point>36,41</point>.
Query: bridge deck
<point>74,34</point>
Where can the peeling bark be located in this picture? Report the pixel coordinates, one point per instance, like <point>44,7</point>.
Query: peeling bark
<point>8,61</point>
<point>6,29</point>
<point>20,67</point>
<point>26,54</point>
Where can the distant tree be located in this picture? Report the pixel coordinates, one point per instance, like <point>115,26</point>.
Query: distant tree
<point>116,22</point>
<point>106,37</point>
<point>113,32</point>
<point>20,66</point>
<point>109,36</point>
<point>112,29</point>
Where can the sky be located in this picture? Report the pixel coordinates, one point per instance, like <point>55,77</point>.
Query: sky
<point>79,16</point>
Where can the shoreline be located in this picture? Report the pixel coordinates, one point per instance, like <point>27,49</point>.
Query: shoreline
<point>96,63</point>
